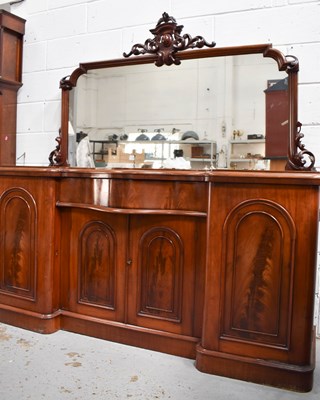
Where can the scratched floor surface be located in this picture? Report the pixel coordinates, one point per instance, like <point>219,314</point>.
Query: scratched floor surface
<point>66,366</point>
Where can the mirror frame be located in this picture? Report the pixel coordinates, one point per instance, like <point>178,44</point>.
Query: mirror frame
<point>167,48</point>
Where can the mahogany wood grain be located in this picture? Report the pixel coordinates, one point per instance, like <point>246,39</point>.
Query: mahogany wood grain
<point>260,286</point>
<point>163,272</point>
<point>157,194</point>
<point>218,266</point>
<point>29,272</point>
<point>94,280</point>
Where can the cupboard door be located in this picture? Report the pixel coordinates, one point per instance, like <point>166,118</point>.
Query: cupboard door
<point>260,278</point>
<point>95,281</point>
<point>162,273</point>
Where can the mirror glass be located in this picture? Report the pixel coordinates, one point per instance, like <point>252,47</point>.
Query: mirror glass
<point>203,113</point>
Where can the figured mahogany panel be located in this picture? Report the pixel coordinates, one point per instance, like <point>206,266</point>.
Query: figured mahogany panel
<point>156,194</point>
<point>164,273</point>
<point>18,243</point>
<point>258,243</point>
<point>238,279</point>
<point>97,262</point>
<point>93,263</point>
<point>161,253</point>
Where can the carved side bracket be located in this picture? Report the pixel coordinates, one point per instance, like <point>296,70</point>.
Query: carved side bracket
<point>58,157</point>
<point>55,157</point>
<point>167,42</point>
<point>299,159</point>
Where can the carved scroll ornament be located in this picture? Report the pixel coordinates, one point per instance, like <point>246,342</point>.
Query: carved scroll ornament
<point>299,159</point>
<point>55,157</point>
<point>167,42</point>
<point>58,156</point>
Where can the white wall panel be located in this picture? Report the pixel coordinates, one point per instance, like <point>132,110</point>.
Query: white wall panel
<point>53,4</point>
<point>105,15</point>
<point>309,100</point>
<point>184,8</point>
<point>39,152</point>
<point>58,23</point>
<point>41,86</point>
<point>35,57</point>
<point>281,25</point>
<point>83,48</point>
<point>30,119</point>
<point>308,55</point>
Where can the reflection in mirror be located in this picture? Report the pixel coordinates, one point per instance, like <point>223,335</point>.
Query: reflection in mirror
<point>221,99</point>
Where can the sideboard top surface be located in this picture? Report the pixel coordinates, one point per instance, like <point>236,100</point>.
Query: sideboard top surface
<point>265,177</point>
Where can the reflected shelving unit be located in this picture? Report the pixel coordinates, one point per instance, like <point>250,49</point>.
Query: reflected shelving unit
<point>245,153</point>
<point>152,153</point>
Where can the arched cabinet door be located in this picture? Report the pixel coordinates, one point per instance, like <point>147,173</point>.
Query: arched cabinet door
<point>258,269</point>
<point>260,284</point>
<point>18,241</point>
<point>94,276</point>
<point>163,273</point>
<point>141,270</point>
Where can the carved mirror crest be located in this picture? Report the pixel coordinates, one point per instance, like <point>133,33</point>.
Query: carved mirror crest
<point>167,42</point>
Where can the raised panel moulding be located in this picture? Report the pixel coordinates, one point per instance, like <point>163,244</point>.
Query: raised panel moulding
<point>18,242</point>
<point>97,263</point>
<point>161,274</point>
<point>259,239</point>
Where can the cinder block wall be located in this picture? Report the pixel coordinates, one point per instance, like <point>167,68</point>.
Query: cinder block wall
<point>62,33</point>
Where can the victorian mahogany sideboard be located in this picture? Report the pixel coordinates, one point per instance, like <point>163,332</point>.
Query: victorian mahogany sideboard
<point>214,266</point>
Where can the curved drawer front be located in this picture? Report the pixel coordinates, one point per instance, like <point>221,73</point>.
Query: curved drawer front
<point>168,195</point>
<point>136,194</point>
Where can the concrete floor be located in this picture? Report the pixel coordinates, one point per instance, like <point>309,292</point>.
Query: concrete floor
<point>65,366</point>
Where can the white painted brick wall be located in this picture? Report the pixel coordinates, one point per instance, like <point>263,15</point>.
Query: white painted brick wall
<point>35,56</point>
<point>309,60</point>
<point>52,4</point>
<point>84,48</point>
<point>279,25</point>
<point>208,7</point>
<point>57,23</point>
<point>309,95</point>
<point>123,13</point>
<point>62,33</point>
